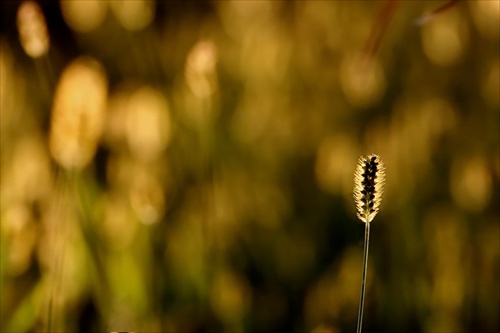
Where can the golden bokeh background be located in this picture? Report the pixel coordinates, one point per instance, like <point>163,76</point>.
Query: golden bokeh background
<point>172,166</point>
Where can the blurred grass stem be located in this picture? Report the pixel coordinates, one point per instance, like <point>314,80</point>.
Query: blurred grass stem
<point>59,249</point>
<point>102,294</point>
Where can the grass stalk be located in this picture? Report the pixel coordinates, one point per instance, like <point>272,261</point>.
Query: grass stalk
<point>363,279</point>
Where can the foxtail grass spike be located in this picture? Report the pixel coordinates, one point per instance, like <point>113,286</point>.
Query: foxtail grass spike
<point>369,179</point>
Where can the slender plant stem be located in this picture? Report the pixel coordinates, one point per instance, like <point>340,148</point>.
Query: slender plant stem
<point>363,279</point>
<point>58,251</point>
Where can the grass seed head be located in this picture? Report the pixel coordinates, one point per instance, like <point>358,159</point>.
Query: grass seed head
<point>32,29</point>
<point>369,179</point>
<point>78,113</point>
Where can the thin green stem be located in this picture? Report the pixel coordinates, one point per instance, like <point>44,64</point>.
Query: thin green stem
<point>363,279</point>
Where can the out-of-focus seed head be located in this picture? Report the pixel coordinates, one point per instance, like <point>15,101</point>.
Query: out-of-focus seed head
<point>200,69</point>
<point>32,29</point>
<point>148,123</point>
<point>78,113</point>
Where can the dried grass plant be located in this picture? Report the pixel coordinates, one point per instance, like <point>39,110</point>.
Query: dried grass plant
<point>369,179</point>
<point>77,118</point>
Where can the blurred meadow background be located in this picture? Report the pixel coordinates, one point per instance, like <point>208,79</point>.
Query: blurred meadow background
<point>188,166</point>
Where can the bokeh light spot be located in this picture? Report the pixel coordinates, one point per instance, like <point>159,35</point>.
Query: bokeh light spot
<point>363,84</point>
<point>84,15</point>
<point>444,41</point>
<point>134,14</point>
